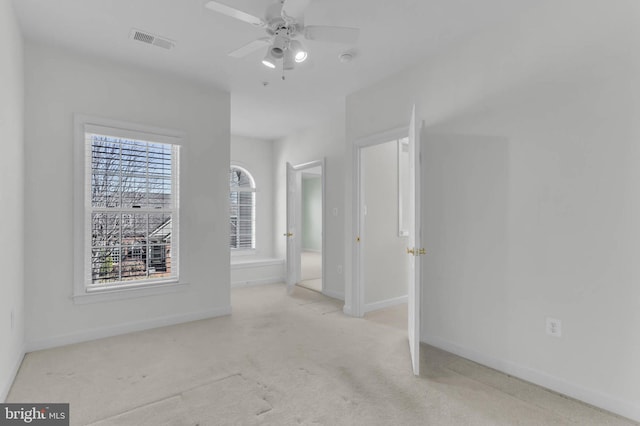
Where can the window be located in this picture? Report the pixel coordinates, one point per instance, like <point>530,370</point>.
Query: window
<point>242,213</point>
<point>130,208</point>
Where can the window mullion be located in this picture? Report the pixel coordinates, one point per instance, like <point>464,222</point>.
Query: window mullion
<point>120,250</point>
<point>120,205</point>
<point>148,248</point>
<point>120,177</point>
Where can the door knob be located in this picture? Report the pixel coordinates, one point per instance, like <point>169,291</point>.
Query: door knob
<point>288,234</point>
<point>416,252</point>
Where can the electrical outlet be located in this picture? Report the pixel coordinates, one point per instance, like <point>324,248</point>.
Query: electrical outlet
<point>554,327</point>
<point>339,269</point>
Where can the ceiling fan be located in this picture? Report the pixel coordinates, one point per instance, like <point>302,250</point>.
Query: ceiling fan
<point>284,24</point>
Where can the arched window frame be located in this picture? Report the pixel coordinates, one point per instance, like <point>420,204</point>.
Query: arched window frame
<point>239,197</point>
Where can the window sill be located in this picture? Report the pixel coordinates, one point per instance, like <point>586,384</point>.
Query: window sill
<point>243,252</point>
<point>255,262</point>
<point>122,293</point>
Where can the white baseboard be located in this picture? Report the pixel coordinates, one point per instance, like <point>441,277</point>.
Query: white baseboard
<point>333,294</point>
<point>590,396</point>
<point>347,310</point>
<point>114,330</point>
<point>252,283</point>
<point>6,387</point>
<point>368,307</point>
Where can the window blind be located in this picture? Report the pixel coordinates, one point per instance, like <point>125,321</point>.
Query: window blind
<point>131,204</point>
<point>242,200</point>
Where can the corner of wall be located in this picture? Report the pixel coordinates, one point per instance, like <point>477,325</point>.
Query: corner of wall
<point>5,388</point>
<point>12,164</point>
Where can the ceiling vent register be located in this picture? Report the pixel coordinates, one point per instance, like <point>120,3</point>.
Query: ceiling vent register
<point>147,38</point>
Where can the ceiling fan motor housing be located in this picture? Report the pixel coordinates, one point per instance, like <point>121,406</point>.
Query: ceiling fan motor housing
<point>281,41</point>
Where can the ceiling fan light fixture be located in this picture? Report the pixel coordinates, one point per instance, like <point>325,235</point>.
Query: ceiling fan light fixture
<point>301,56</point>
<point>284,20</point>
<point>269,61</point>
<point>278,47</point>
<point>299,52</point>
<point>289,62</point>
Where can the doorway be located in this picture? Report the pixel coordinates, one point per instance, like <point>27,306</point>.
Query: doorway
<point>411,211</point>
<point>384,263</point>
<point>311,221</point>
<point>305,225</point>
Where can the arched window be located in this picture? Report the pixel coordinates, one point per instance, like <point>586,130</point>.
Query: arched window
<point>242,214</point>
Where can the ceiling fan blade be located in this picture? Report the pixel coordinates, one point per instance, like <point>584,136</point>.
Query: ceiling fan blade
<point>250,47</point>
<point>332,34</point>
<point>235,13</point>
<point>295,9</point>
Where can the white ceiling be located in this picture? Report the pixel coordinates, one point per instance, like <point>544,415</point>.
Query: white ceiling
<point>394,34</point>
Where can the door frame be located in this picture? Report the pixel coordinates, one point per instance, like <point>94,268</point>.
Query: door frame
<point>296,270</point>
<point>357,287</point>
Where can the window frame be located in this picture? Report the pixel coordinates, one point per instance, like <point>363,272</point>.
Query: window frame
<point>83,290</point>
<point>252,189</point>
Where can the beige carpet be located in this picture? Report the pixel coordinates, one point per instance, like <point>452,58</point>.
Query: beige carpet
<point>311,270</point>
<point>281,360</point>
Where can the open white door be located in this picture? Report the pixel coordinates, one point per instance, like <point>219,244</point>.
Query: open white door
<point>415,249</point>
<point>293,253</point>
<point>291,194</point>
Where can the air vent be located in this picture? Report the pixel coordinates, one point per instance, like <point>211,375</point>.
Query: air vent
<point>154,40</point>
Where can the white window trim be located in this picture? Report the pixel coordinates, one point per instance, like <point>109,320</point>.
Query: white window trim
<point>82,294</point>
<point>254,190</point>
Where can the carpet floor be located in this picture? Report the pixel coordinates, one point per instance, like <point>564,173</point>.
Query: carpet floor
<point>284,360</point>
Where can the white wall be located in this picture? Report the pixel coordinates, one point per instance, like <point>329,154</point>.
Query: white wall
<point>11,197</point>
<point>531,195</point>
<point>385,262</point>
<point>311,212</point>
<point>325,141</point>
<point>256,156</point>
<point>60,83</point>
